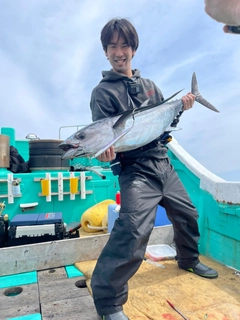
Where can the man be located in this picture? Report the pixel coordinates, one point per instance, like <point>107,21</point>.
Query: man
<point>147,179</point>
<point>225,11</point>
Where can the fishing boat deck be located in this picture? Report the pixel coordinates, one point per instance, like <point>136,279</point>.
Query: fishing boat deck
<point>56,296</point>
<point>53,293</point>
<point>53,296</point>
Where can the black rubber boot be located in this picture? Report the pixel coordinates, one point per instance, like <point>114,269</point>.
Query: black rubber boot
<point>201,270</point>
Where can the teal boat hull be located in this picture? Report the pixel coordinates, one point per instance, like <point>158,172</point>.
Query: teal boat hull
<point>217,201</point>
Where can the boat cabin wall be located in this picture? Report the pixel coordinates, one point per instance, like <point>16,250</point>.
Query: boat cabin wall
<point>33,197</point>
<point>53,190</point>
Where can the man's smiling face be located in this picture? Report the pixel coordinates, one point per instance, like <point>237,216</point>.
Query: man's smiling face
<point>120,55</point>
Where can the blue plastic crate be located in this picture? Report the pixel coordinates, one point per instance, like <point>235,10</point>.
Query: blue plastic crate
<point>161,217</point>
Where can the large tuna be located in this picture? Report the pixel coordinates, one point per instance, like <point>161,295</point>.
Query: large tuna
<point>129,130</point>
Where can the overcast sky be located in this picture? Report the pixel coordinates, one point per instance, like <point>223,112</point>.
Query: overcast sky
<point>51,58</point>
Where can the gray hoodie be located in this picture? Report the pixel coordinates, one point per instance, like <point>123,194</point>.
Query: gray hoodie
<point>111,96</point>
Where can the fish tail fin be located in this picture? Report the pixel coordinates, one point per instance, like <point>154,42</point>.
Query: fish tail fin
<point>199,98</point>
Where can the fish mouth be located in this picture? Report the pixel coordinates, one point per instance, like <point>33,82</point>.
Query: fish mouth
<point>70,150</point>
<point>66,146</point>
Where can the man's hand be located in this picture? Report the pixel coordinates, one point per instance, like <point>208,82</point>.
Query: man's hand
<point>188,101</point>
<point>107,155</point>
<point>225,11</point>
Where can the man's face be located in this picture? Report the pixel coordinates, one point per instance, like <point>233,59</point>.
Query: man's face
<point>120,55</point>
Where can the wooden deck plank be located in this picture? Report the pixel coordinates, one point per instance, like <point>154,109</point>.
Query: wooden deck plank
<point>50,275</point>
<point>62,298</point>
<point>27,302</point>
<point>74,309</point>
<point>55,295</point>
<point>14,312</point>
<point>60,289</point>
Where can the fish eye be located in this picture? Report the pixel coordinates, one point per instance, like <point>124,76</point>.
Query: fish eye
<point>80,135</point>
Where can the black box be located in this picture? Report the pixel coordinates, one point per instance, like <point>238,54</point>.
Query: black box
<point>35,228</point>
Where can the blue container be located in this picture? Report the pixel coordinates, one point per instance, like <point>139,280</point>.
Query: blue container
<point>49,218</point>
<point>30,219</point>
<point>161,217</point>
<point>112,216</point>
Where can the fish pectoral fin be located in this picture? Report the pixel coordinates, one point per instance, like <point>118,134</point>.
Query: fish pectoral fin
<point>127,114</point>
<point>111,143</point>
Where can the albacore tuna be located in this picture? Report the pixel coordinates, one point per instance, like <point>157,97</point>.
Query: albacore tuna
<point>129,130</point>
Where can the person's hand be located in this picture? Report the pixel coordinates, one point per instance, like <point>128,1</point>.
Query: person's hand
<point>188,101</point>
<point>107,155</point>
<point>230,29</point>
<point>225,11</point>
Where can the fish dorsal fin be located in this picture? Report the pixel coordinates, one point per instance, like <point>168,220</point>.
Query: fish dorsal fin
<point>143,107</point>
<point>144,104</point>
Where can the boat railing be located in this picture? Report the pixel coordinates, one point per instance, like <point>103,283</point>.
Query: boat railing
<point>76,126</point>
<point>221,190</point>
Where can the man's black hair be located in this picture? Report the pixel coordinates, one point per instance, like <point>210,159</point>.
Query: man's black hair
<point>124,28</point>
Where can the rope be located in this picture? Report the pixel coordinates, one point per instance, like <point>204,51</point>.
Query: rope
<point>96,228</point>
<point>2,207</point>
